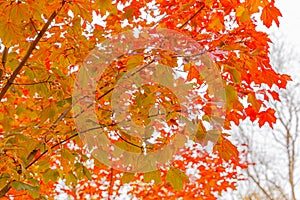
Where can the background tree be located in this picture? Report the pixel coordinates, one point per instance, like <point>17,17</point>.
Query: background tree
<point>274,172</point>
<point>43,44</point>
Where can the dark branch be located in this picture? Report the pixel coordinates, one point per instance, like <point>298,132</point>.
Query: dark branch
<point>185,23</point>
<point>5,189</point>
<point>29,52</point>
<point>4,57</point>
<point>46,151</point>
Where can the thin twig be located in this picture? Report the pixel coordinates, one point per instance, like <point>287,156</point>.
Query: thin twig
<point>52,147</point>
<point>62,115</point>
<point>33,25</point>
<point>35,83</point>
<point>198,11</point>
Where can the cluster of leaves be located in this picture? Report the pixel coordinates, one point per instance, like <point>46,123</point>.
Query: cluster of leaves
<point>43,43</point>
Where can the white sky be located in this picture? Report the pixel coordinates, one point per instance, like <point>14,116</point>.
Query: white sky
<point>290,22</point>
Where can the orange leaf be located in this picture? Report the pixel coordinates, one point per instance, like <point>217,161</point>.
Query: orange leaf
<point>269,14</point>
<point>193,73</point>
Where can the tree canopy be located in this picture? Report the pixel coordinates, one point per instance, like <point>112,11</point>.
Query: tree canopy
<point>58,54</point>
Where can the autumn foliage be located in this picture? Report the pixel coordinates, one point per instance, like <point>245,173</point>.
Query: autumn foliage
<point>44,44</point>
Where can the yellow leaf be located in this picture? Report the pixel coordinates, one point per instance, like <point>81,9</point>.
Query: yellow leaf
<point>243,14</point>
<point>104,5</point>
<point>127,177</point>
<point>10,33</point>
<point>176,178</point>
<point>153,175</point>
<point>133,61</point>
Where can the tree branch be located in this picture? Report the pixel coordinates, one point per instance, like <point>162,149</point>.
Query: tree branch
<point>29,52</point>
<point>259,185</point>
<point>33,25</point>
<point>46,151</point>
<point>194,15</point>
<point>7,187</point>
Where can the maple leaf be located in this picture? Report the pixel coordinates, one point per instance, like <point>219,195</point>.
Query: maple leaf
<point>252,113</point>
<point>267,116</point>
<point>176,178</point>
<point>269,14</point>
<point>226,149</point>
<point>275,95</point>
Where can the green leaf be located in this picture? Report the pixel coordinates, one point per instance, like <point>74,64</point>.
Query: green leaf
<point>127,177</point>
<point>231,96</point>
<point>23,186</point>
<point>43,164</point>
<point>65,153</point>
<point>87,173</point>
<point>35,194</point>
<point>79,170</point>
<point>213,135</point>
<point>64,101</point>
<point>28,72</point>
<point>71,178</point>
<point>128,147</point>
<point>34,181</point>
<point>235,74</point>
<point>176,178</point>
<point>3,178</point>
<point>51,174</point>
<point>58,72</point>
<point>154,175</point>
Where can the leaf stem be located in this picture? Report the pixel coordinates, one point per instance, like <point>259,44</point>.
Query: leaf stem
<point>4,56</point>
<point>34,83</point>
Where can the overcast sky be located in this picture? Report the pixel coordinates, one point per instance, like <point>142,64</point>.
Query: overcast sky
<point>290,22</point>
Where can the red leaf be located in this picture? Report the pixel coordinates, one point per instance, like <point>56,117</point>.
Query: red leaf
<point>48,65</point>
<point>235,117</point>
<point>251,113</point>
<point>275,95</point>
<point>284,78</point>
<point>269,14</point>
<point>267,116</point>
<point>25,92</point>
